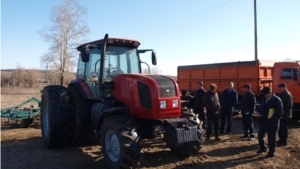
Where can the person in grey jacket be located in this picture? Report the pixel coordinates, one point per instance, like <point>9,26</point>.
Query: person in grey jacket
<point>247,108</point>
<point>287,101</point>
<point>228,101</point>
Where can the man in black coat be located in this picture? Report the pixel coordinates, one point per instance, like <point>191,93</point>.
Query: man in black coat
<point>247,108</point>
<point>287,101</point>
<point>186,99</point>
<point>198,107</point>
<point>212,104</point>
<point>228,101</point>
<point>271,110</point>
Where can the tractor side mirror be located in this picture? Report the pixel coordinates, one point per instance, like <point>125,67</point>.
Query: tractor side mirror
<point>154,57</point>
<point>296,74</point>
<point>85,54</point>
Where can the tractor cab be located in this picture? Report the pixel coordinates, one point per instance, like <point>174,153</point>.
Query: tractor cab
<point>101,60</point>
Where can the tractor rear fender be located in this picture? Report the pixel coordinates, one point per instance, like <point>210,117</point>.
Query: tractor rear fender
<point>83,88</point>
<point>109,112</point>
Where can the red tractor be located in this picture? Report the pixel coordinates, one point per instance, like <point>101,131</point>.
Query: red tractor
<point>112,98</point>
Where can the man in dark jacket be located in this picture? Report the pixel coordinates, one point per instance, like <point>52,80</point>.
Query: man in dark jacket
<point>198,107</point>
<point>212,104</point>
<point>247,108</point>
<point>228,101</point>
<point>287,101</point>
<point>186,99</point>
<point>271,110</point>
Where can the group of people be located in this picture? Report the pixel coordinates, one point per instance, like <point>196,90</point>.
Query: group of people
<point>274,113</point>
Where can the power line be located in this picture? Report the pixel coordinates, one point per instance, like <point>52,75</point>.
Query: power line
<point>183,20</point>
<point>161,34</point>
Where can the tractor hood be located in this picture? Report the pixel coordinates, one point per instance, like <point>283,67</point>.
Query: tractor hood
<point>148,96</point>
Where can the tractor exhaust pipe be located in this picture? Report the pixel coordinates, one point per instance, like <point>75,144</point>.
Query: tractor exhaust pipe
<point>101,77</point>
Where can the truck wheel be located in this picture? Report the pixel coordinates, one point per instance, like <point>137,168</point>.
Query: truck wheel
<point>189,148</point>
<point>56,120</point>
<point>81,112</point>
<point>120,143</point>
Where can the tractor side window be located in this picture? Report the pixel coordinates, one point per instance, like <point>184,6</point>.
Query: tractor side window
<point>134,62</point>
<point>286,73</point>
<point>92,71</point>
<point>80,69</point>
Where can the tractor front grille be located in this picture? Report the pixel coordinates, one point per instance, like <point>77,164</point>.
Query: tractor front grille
<point>145,95</point>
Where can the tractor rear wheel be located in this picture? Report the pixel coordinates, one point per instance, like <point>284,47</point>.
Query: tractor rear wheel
<point>120,143</point>
<point>56,120</point>
<point>81,111</point>
<point>189,148</point>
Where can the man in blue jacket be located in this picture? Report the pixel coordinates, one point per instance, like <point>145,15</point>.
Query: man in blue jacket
<point>271,110</point>
<point>228,101</point>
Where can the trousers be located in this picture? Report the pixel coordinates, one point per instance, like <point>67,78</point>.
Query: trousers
<point>212,118</point>
<point>271,139</point>
<point>226,114</point>
<point>248,125</point>
<point>283,130</point>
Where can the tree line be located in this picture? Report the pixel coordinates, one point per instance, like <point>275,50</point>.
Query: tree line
<point>29,77</point>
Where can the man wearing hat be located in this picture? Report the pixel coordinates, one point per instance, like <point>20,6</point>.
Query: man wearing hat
<point>287,101</point>
<point>271,110</point>
<point>212,104</point>
<point>247,109</point>
<point>187,100</point>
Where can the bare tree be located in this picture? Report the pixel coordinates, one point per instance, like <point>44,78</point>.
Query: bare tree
<point>66,32</point>
<point>153,70</point>
<point>18,75</point>
<point>5,79</point>
<point>31,76</point>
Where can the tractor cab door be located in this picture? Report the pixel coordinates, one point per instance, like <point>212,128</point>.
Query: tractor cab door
<point>92,71</point>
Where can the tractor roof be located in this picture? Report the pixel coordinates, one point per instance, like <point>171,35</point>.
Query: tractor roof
<point>113,41</point>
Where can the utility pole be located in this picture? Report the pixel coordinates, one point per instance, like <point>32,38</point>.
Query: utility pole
<point>255,32</point>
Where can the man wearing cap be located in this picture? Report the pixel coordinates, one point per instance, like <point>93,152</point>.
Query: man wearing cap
<point>287,101</point>
<point>228,101</point>
<point>198,107</point>
<point>247,108</point>
<point>271,110</point>
<point>187,100</point>
<point>212,104</point>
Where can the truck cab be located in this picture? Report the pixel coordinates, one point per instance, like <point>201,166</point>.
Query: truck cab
<point>288,72</point>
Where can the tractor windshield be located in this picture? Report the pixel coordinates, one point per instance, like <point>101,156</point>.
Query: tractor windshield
<point>120,60</point>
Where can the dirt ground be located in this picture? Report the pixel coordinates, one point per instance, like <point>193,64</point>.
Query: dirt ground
<point>23,148</point>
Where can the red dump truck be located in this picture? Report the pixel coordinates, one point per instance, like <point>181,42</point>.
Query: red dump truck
<point>258,73</point>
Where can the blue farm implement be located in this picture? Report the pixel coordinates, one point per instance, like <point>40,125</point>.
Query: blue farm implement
<point>26,115</point>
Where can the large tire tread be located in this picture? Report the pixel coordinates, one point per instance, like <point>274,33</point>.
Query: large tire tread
<point>81,111</point>
<point>60,129</point>
<point>131,148</point>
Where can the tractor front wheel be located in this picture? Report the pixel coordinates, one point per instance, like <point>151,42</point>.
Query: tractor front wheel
<point>120,143</point>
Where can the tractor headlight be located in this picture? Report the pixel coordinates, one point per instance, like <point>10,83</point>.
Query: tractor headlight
<point>163,104</point>
<point>175,103</point>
